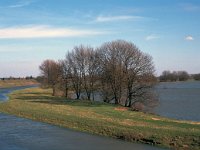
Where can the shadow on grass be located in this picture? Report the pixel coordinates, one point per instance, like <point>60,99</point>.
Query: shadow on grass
<point>60,101</point>
<point>39,97</point>
<point>36,93</point>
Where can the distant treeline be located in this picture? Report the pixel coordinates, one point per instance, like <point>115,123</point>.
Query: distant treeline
<point>196,76</point>
<point>18,78</point>
<point>177,76</point>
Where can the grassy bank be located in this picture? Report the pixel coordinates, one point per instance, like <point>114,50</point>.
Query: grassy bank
<point>103,119</point>
<point>12,83</point>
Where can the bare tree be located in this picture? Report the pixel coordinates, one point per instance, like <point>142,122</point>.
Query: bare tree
<point>82,67</point>
<point>111,71</point>
<point>89,70</point>
<point>183,75</point>
<point>50,71</point>
<point>139,73</point>
<point>165,76</point>
<point>75,73</point>
<point>126,72</point>
<point>65,76</point>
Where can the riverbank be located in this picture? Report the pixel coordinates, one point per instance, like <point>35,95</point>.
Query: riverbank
<point>103,119</point>
<point>18,82</point>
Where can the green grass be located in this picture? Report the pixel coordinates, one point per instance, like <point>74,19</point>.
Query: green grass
<point>103,119</point>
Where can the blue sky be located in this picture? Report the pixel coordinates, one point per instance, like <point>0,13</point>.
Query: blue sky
<point>34,30</point>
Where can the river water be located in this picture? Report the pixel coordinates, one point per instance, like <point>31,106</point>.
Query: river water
<point>5,91</point>
<point>179,100</point>
<point>23,134</point>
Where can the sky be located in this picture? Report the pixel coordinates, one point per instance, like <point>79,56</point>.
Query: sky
<point>34,30</point>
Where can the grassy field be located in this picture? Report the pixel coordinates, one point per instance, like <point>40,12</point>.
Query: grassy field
<point>103,119</point>
<point>12,83</point>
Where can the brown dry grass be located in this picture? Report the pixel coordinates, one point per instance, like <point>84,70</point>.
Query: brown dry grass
<point>12,83</point>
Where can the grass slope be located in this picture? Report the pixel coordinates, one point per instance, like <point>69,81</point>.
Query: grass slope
<point>103,119</point>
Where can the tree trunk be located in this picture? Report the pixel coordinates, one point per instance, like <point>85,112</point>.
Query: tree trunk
<point>126,103</point>
<point>88,95</point>
<point>78,95</point>
<point>130,100</point>
<point>54,91</point>
<point>66,92</point>
<point>116,100</point>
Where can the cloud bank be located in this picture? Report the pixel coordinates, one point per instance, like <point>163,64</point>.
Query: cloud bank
<point>44,32</point>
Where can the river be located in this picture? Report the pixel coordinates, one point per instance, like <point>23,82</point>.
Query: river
<point>5,91</point>
<point>23,134</point>
<point>179,100</point>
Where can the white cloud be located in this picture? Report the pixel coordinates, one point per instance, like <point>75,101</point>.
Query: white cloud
<point>151,37</point>
<point>21,4</point>
<point>44,32</point>
<point>189,38</point>
<point>116,18</point>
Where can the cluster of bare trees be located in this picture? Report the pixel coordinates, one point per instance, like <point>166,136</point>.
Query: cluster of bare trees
<point>196,76</point>
<point>174,76</point>
<point>118,71</point>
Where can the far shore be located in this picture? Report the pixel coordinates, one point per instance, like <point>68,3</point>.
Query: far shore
<point>16,82</point>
